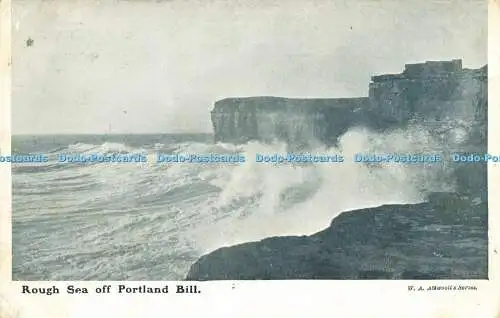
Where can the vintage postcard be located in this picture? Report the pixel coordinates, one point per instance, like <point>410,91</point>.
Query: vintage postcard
<point>249,158</point>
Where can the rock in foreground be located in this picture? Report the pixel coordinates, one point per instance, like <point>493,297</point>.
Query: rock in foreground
<point>443,239</point>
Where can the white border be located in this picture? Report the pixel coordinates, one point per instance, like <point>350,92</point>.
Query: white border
<point>257,298</point>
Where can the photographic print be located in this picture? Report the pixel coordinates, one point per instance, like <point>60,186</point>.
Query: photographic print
<point>249,140</point>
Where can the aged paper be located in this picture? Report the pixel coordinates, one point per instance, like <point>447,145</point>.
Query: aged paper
<point>249,158</point>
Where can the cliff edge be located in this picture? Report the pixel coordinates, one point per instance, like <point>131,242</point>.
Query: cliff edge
<point>294,120</point>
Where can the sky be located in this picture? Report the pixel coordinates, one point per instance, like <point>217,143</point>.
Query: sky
<point>158,66</point>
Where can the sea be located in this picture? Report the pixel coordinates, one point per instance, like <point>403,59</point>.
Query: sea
<point>150,221</point>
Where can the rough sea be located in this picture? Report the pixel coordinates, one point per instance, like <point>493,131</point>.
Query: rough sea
<point>149,221</point>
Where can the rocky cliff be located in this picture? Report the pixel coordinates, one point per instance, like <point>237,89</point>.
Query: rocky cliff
<point>445,238</point>
<point>438,93</point>
<point>288,119</point>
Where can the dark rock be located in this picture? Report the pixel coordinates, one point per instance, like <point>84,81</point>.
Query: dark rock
<point>418,241</point>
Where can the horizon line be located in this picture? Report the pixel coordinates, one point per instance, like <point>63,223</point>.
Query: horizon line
<point>111,134</point>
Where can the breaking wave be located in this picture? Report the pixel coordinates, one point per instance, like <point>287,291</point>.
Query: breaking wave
<point>146,221</point>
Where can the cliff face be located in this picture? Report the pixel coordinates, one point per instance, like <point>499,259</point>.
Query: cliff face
<point>446,238</point>
<point>436,93</point>
<point>288,119</point>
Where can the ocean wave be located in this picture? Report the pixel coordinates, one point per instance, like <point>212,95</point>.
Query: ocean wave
<point>168,215</point>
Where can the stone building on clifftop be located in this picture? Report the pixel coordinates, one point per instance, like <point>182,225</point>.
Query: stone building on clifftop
<point>433,90</point>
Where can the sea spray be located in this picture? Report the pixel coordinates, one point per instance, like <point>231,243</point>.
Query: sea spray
<point>325,190</point>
